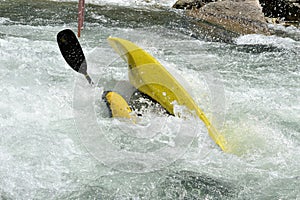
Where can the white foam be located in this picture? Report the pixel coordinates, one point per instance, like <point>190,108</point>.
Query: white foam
<point>163,3</point>
<point>4,20</point>
<point>286,43</point>
<point>40,152</point>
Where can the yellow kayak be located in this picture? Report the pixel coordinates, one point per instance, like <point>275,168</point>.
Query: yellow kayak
<point>148,76</point>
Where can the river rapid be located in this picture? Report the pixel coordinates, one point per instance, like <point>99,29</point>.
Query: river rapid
<point>52,123</point>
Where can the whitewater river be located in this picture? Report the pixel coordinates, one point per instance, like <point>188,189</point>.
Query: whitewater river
<point>56,141</point>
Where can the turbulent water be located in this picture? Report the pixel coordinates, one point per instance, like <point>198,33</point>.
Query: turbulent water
<point>56,141</point>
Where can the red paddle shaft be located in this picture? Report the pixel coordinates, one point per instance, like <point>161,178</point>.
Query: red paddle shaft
<point>80,16</point>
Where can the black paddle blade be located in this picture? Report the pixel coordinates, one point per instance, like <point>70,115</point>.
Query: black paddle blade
<point>71,50</point>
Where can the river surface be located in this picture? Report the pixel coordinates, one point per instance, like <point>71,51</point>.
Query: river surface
<point>56,141</point>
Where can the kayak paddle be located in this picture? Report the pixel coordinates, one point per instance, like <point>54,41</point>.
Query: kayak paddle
<point>72,52</point>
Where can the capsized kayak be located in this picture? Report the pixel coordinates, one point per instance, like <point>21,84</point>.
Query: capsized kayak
<point>151,78</point>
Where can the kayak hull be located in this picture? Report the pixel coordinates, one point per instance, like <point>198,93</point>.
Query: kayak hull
<point>148,76</point>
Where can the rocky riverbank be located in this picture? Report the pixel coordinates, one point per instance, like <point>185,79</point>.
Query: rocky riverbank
<point>240,17</point>
<point>286,12</point>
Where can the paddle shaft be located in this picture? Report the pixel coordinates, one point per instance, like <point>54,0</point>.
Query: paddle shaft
<point>88,78</point>
<point>80,16</point>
